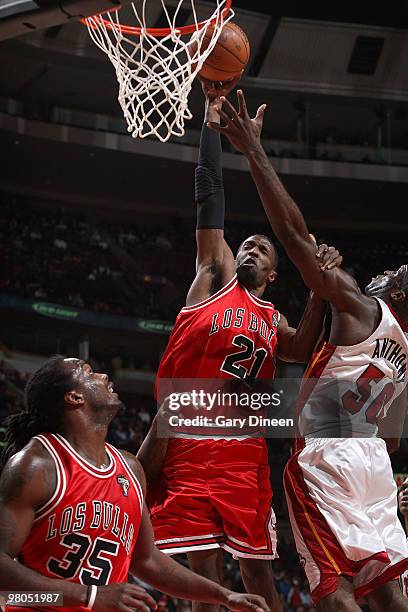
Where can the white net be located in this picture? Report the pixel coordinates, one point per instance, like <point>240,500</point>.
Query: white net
<point>155,73</point>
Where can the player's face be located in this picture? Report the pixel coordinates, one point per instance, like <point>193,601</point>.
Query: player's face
<point>96,387</point>
<point>255,262</point>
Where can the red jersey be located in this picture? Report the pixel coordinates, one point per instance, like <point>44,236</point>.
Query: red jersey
<point>231,334</point>
<point>87,530</point>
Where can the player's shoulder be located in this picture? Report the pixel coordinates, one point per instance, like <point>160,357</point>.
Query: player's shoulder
<point>29,473</point>
<point>32,457</point>
<point>135,466</point>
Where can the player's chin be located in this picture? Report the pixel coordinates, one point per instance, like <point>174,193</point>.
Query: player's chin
<point>247,276</point>
<point>116,403</point>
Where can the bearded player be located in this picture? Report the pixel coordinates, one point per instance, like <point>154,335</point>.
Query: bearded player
<point>72,509</point>
<point>216,494</point>
<point>339,482</point>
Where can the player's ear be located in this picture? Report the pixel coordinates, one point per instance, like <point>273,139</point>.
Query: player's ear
<point>272,276</point>
<point>398,295</point>
<point>74,399</point>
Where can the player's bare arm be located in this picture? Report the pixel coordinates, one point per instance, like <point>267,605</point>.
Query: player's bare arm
<point>162,572</point>
<point>27,482</point>
<point>297,345</point>
<point>335,286</point>
<point>215,264</point>
<point>153,450</point>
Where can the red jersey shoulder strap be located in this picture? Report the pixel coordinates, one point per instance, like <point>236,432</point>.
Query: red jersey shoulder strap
<point>61,485</point>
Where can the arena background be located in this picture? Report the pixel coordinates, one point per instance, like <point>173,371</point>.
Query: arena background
<point>97,229</point>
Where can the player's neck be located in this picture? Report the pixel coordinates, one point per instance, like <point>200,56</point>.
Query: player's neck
<point>89,442</point>
<point>257,291</point>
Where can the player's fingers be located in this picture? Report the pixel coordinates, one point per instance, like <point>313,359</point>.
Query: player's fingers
<point>134,604</point>
<point>335,262</point>
<point>232,113</point>
<point>330,259</point>
<point>260,113</point>
<point>328,256</point>
<point>242,107</point>
<point>258,603</point>
<point>321,249</point>
<point>227,120</point>
<point>217,128</point>
<point>140,594</point>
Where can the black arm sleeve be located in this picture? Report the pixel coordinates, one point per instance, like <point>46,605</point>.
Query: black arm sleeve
<point>209,189</point>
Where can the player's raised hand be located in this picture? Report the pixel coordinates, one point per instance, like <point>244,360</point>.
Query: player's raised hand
<point>125,597</point>
<point>243,132</point>
<point>403,498</point>
<point>245,602</point>
<point>213,91</point>
<point>216,89</point>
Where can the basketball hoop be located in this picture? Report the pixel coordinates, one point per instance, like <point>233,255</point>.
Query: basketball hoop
<point>155,67</point>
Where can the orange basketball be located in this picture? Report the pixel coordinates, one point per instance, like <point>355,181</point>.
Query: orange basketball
<point>229,56</point>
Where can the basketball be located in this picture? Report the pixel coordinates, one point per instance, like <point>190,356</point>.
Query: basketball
<point>229,56</point>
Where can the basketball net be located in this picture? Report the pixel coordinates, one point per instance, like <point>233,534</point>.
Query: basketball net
<point>155,68</point>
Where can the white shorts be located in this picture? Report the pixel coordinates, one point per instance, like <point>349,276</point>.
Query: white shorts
<point>342,501</point>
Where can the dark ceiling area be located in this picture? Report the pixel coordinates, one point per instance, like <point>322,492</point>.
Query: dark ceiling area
<point>128,184</point>
<point>392,14</point>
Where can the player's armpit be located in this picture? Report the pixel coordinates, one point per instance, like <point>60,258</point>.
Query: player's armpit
<point>215,265</point>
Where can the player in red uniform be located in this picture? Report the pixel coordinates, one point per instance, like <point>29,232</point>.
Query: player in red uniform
<point>216,493</point>
<point>341,493</point>
<point>72,509</point>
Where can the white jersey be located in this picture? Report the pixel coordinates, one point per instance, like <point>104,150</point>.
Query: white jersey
<point>347,389</point>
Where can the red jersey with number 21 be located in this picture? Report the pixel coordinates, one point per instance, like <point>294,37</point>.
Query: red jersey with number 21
<point>231,334</point>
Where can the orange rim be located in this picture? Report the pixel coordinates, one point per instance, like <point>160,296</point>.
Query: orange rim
<point>157,32</point>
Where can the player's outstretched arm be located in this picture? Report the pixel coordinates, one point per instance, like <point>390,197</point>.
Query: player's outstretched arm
<point>215,264</point>
<point>297,345</point>
<point>28,481</point>
<point>285,217</point>
<point>163,573</point>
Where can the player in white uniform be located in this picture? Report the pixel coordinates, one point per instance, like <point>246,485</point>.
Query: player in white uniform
<point>341,493</point>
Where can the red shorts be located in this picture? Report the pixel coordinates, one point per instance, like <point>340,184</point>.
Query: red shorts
<point>215,494</point>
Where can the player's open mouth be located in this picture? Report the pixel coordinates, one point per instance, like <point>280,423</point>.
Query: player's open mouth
<point>110,387</point>
<point>249,262</point>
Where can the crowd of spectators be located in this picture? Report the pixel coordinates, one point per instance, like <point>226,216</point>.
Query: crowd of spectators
<point>56,255</point>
